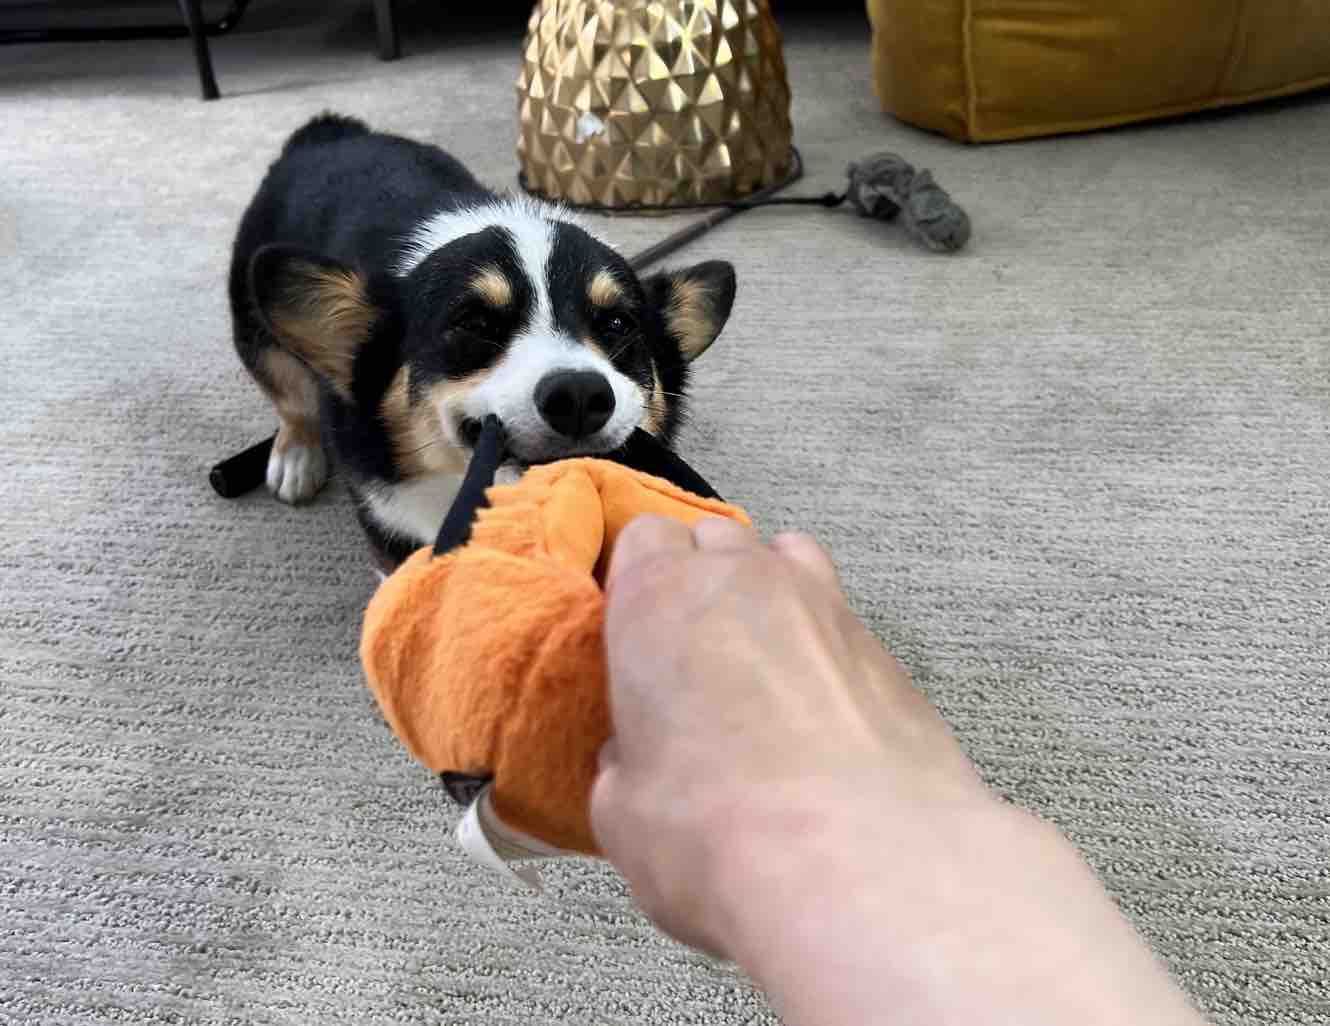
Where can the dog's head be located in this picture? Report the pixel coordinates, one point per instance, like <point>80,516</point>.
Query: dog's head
<point>508,309</point>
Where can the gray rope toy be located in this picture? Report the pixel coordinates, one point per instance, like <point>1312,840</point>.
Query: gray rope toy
<point>884,186</point>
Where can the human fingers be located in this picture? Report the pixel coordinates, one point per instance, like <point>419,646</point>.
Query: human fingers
<point>716,533</point>
<point>647,538</point>
<point>804,551</point>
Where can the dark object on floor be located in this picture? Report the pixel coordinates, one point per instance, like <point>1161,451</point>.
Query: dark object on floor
<point>197,29</point>
<point>243,472</point>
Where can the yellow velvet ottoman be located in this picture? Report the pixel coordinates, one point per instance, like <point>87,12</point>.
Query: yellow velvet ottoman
<point>989,70</point>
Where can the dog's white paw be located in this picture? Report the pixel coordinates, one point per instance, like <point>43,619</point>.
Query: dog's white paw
<point>297,472</point>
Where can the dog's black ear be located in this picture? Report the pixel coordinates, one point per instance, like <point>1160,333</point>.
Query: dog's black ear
<point>319,310</point>
<point>694,303</point>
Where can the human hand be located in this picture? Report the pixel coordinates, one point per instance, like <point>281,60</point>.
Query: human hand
<point>750,705</point>
<point>778,793</point>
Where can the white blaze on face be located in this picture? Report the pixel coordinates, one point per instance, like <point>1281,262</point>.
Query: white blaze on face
<point>541,348</point>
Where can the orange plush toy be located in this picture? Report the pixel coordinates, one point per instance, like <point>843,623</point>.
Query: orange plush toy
<point>486,653</point>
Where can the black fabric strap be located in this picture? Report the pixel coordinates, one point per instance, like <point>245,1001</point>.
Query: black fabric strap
<point>485,460</point>
<point>650,455</point>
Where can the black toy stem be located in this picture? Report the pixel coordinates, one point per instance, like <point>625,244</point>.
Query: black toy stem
<point>241,473</point>
<point>647,453</point>
<point>470,498</point>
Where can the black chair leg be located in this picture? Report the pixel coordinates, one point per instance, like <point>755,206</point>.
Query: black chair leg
<point>385,17</point>
<point>193,12</point>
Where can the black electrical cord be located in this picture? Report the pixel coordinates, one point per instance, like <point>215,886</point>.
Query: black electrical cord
<point>721,210</point>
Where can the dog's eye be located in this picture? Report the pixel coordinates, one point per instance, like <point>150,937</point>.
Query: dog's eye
<point>476,323</point>
<point>617,325</point>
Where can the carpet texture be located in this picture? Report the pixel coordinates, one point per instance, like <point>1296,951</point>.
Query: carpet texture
<point>1078,477</point>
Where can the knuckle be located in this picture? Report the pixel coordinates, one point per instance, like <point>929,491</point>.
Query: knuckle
<point>643,587</point>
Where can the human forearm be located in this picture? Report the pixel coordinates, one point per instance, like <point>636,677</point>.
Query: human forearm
<point>978,913</point>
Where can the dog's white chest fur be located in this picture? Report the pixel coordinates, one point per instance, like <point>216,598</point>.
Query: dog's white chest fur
<point>414,509</point>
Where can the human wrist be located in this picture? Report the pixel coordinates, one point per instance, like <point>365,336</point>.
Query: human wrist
<point>820,845</point>
<point>947,913</point>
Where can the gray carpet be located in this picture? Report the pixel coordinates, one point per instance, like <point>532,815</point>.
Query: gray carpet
<point>1076,477</point>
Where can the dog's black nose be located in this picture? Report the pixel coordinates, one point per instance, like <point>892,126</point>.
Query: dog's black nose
<point>575,403</point>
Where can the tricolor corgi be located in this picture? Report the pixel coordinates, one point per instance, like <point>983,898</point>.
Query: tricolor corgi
<point>387,302</point>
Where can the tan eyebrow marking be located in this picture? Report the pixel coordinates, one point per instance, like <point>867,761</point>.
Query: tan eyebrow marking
<point>604,289</point>
<point>493,286</point>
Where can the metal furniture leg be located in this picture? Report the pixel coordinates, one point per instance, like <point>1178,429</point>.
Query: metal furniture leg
<point>192,25</point>
<point>385,17</point>
<point>193,12</point>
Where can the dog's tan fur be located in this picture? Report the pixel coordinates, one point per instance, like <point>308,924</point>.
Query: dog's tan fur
<point>419,444</point>
<point>493,286</point>
<point>690,316</point>
<point>653,422</point>
<point>323,316</point>
<point>604,290</point>
<point>598,345</point>
<point>295,396</point>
